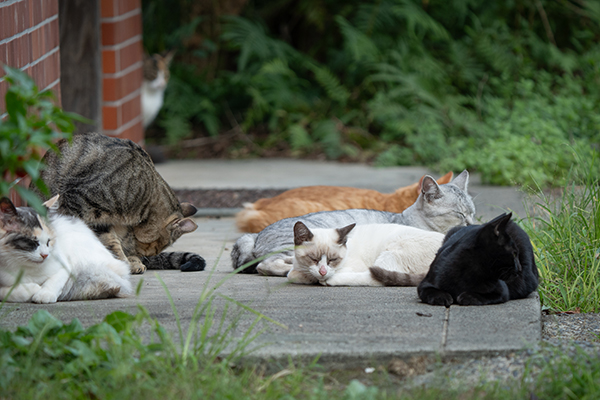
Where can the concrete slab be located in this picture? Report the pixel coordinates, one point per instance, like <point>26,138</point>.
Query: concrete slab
<point>349,327</point>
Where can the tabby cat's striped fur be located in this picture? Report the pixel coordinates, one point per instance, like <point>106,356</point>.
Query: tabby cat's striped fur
<point>112,185</point>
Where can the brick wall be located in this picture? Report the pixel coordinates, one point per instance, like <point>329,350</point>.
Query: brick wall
<point>29,40</point>
<point>122,59</point>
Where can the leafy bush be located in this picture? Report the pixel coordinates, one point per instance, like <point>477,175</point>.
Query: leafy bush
<point>32,125</point>
<point>499,88</point>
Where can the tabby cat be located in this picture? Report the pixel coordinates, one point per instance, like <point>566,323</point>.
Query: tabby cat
<point>345,256</point>
<point>112,185</point>
<point>438,208</point>
<point>156,78</point>
<point>57,259</point>
<point>481,264</point>
<point>308,199</point>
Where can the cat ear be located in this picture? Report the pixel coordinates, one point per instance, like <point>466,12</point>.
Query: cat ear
<point>301,233</point>
<point>462,180</point>
<point>188,209</point>
<point>499,223</point>
<point>169,57</point>
<point>185,225</point>
<point>9,218</point>
<point>52,204</point>
<point>430,188</point>
<point>343,233</point>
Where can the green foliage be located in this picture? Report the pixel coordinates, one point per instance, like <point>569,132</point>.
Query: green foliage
<point>501,88</point>
<point>32,125</point>
<point>565,232</point>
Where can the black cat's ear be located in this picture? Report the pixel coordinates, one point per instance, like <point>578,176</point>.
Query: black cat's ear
<point>9,218</point>
<point>462,180</point>
<point>499,223</point>
<point>301,233</point>
<point>343,233</point>
<point>430,189</point>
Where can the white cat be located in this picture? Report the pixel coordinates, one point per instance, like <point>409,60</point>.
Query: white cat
<point>362,255</point>
<point>57,259</point>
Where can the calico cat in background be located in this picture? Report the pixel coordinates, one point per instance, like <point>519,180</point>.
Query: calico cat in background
<point>438,208</point>
<point>112,185</point>
<point>309,199</point>
<point>60,258</point>
<point>156,78</point>
<point>481,264</point>
<point>346,256</point>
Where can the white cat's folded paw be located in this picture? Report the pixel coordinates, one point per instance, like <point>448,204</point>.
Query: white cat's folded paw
<point>44,297</point>
<point>21,293</point>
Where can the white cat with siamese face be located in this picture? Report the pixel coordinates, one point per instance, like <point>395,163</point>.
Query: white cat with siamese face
<point>58,258</point>
<point>363,255</point>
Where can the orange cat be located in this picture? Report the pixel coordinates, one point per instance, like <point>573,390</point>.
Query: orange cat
<point>303,200</point>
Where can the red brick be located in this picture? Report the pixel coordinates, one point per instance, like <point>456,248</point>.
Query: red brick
<point>131,110</point>
<point>52,8</point>
<point>38,15</point>
<point>22,15</point>
<point>135,133</point>
<point>53,33</point>
<point>109,61</point>
<point>119,31</point>
<point>126,6</point>
<point>36,44</point>
<point>110,118</point>
<point>3,56</point>
<point>117,88</point>
<point>130,55</point>
<point>108,8</point>
<point>7,22</point>
<point>12,55</point>
<point>3,90</point>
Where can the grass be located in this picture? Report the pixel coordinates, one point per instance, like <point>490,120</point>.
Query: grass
<point>565,232</point>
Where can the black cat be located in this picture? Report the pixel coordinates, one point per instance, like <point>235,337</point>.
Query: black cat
<point>481,264</point>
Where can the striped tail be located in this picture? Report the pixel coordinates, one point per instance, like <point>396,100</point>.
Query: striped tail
<point>394,278</point>
<point>186,262</point>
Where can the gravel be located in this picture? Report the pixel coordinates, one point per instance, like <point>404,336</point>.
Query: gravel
<point>563,335</point>
<point>223,198</point>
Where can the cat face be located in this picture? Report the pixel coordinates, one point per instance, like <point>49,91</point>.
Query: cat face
<point>151,240</point>
<point>494,233</point>
<point>319,253</point>
<point>25,238</point>
<point>446,206</point>
<point>156,70</point>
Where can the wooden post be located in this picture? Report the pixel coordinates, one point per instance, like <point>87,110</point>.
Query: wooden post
<point>81,61</point>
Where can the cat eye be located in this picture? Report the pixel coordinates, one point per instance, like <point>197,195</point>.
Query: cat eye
<point>48,242</point>
<point>25,244</point>
<point>333,259</point>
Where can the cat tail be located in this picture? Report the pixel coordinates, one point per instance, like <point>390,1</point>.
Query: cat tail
<point>395,278</point>
<point>184,261</point>
<point>99,283</point>
<point>243,253</point>
<point>251,220</point>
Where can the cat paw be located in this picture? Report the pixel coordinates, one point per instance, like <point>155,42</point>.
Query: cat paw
<point>44,297</point>
<point>441,299</point>
<point>136,265</point>
<point>467,299</point>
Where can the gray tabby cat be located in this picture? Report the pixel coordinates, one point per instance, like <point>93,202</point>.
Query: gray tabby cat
<point>112,185</point>
<point>438,208</point>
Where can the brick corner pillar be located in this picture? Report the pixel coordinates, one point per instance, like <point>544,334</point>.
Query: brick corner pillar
<point>122,61</point>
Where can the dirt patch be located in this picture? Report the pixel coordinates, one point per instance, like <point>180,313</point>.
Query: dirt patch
<point>223,198</point>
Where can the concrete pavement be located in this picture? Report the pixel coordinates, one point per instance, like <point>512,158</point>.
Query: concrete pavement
<point>350,327</point>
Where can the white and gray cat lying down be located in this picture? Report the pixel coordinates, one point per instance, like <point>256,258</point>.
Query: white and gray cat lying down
<point>58,258</point>
<point>437,209</point>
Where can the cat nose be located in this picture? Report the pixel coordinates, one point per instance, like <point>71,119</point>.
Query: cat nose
<point>323,270</point>
<point>44,256</point>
